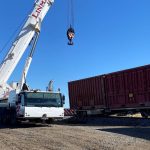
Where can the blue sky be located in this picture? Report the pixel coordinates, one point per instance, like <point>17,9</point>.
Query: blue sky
<point>111,35</point>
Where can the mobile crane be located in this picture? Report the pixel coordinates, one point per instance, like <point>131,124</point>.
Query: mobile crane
<point>17,101</point>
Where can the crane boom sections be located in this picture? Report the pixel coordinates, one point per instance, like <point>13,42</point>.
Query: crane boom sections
<point>22,41</point>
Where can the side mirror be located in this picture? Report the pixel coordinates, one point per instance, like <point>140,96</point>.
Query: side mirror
<point>19,99</point>
<point>63,99</point>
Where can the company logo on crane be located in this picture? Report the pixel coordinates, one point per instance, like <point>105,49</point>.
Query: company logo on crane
<point>40,7</point>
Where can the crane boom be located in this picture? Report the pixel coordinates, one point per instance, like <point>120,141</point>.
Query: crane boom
<point>19,46</point>
<point>28,62</point>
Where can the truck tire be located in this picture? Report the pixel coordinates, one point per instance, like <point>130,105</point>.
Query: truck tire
<point>13,119</point>
<point>4,116</point>
<point>82,117</point>
<point>50,121</point>
<point>0,116</point>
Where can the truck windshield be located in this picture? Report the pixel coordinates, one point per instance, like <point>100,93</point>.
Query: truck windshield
<point>43,99</point>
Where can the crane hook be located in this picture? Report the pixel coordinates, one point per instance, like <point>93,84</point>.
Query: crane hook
<point>70,35</point>
<point>70,31</point>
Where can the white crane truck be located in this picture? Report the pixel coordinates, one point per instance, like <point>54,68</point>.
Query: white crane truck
<point>17,101</point>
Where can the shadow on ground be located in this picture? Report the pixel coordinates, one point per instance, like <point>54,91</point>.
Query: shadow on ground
<point>108,121</point>
<point>23,125</point>
<point>93,121</point>
<point>138,132</point>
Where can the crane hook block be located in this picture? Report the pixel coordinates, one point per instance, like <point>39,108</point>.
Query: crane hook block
<point>70,35</point>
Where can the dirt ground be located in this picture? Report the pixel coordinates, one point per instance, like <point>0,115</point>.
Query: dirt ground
<point>93,136</point>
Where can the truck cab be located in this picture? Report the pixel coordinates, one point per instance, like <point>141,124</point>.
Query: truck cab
<point>39,105</point>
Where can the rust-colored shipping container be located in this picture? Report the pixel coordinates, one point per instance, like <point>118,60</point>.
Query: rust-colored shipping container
<point>87,93</point>
<point>127,89</point>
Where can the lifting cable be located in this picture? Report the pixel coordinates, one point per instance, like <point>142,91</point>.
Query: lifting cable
<point>70,25</point>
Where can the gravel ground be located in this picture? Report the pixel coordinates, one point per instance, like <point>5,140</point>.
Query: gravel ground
<point>96,135</point>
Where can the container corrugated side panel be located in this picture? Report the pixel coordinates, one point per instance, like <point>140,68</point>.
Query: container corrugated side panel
<point>127,89</point>
<point>71,94</point>
<point>97,91</point>
<point>91,94</point>
<point>135,87</point>
<point>87,93</point>
<point>114,96</point>
<point>147,82</point>
<point>78,94</point>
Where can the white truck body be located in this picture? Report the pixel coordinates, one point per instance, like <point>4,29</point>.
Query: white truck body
<point>41,112</point>
<point>33,106</point>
